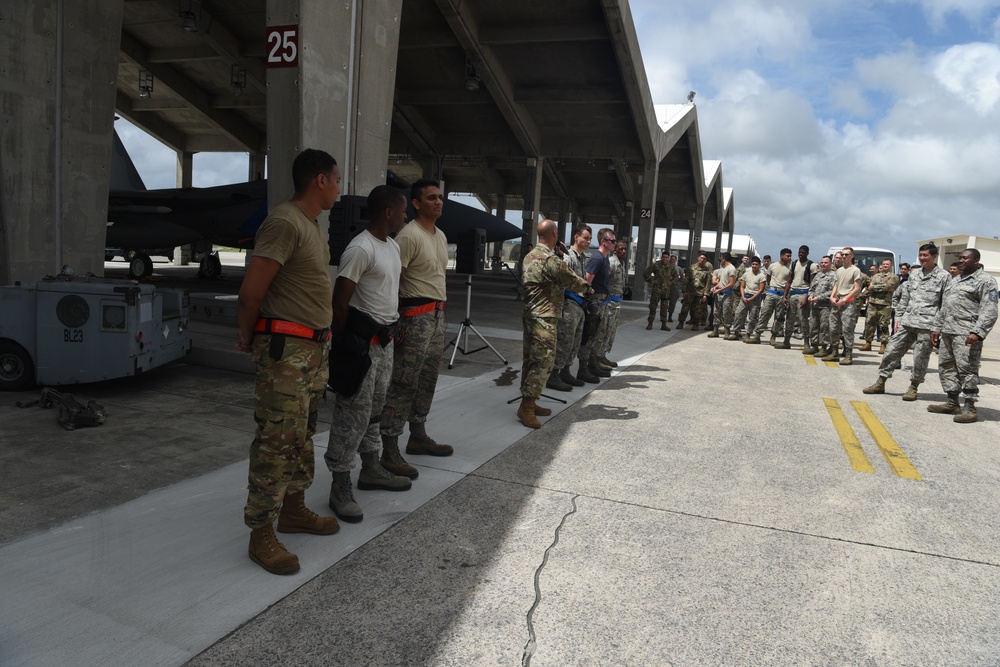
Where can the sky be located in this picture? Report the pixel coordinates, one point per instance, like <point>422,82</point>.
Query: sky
<point>837,122</point>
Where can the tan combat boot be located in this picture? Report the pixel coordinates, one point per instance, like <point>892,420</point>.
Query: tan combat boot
<point>784,345</point>
<point>877,388</point>
<point>753,340</point>
<point>694,327</point>
<point>540,411</point>
<point>949,407</point>
<point>968,414</point>
<point>866,347</point>
<point>911,393</point>
<point>526,413</point>
<point>881,348</point>
<point>848,359</point>
<point>713,334</point>
<point>421,443</point>
<point>393,461</point>
<point>295,517</point>
<point>269,553</point>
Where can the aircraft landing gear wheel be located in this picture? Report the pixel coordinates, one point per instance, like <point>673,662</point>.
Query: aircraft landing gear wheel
<point>140,266</point>
<point>211,266</point>
<point>16,369</point>
<point>128,254</point>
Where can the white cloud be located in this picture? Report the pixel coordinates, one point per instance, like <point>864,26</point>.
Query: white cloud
<point>972,73</point>
<point>937,10</point>
<point>849,97</point>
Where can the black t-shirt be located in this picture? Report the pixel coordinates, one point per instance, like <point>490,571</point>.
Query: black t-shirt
<point>600,266</point>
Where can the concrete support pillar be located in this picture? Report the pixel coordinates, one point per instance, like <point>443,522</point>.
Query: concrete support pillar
<point>564,224</point>
<point>256,167</point>
<point>185,167</point>
<point>694,240</point>
<point>497,250</point>
<point>339,98</point>
<point>647,227</point>
<point>54,193</point>
<point>533,199</point>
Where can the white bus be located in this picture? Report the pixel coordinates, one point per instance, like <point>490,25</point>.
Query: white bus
<point>866,257</point>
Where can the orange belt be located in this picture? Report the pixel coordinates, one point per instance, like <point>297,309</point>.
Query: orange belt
<point>420,310</point>
<point>268,325</point>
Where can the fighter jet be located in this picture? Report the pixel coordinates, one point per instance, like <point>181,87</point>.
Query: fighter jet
<point>145,222</point>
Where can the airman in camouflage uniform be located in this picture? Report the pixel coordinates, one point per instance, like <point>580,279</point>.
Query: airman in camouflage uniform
<point>967,316</point>
<point>697,282</point>
<point>820,290</point>
<point>661,275</point>
<point>570,330</point>
<point>619,273</point>
<point>880,290</point>
<point>917,309</point>
<point>546,278</point>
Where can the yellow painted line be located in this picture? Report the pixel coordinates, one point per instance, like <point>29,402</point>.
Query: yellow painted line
<point>831,364</point>
<point>855,454</point>
<point>891,450</point>
<point>811,360</point>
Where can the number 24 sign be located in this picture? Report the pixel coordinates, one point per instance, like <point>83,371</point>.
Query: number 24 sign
<point>283,46</point>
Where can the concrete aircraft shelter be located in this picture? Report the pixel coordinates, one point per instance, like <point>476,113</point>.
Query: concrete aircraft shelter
<point>538,107</point>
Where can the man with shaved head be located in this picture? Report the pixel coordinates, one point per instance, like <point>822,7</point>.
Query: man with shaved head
<point>546,278</point>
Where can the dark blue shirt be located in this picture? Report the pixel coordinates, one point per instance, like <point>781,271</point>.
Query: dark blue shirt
<point>600,266</point>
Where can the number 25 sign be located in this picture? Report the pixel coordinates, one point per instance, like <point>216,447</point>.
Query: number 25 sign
<point>283,46</point>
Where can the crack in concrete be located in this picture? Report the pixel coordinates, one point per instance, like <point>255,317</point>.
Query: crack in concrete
<point>529,647</point>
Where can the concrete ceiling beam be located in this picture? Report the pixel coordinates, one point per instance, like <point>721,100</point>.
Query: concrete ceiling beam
<point>540,33</point>
<point>183,54</point>
<point>556,95</point>
<point>151,124</point>
<point>219,37</point>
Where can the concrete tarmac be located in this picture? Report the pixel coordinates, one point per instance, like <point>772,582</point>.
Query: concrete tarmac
<point>713,503</point>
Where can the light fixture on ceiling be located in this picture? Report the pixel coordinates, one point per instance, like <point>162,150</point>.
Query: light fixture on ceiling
<point>145,84</point>
<point>189,11</point>
<point>473,76</point>
<point>238,80</point>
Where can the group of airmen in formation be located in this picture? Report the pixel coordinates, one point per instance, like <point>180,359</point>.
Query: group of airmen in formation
<point>924,308</point>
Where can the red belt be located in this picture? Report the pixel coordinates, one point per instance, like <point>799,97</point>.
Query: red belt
<point>268,325</point>
<point>420,310</point>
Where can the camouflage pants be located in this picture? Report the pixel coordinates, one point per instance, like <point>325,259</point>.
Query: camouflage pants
<point>539,354</point>
<point>878,316</point>
<point>414,372</point>
<point>659,297</point>
<point>819,325</point>
<point>842,324</point>
<point>570,331</point>
<point>355,424</point>
<point>958,365</point>
<point>746,313</point>
<point>693,304</point>
<point>287,395</point>
<point>614,312</point>
<point>772,306</point>
<point>899,343</point>
<point>675,294</point>
<point>798,310</point>
<point>596,345</point>
<point>724,310</point>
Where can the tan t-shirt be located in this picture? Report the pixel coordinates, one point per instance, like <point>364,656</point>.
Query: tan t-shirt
<point>752,281</point>
<point>799,279</point>
<point>424,257</point>
<point>846,276</point>
<point>779,276</point>
<point>301,291</point>
<point>725,273</point>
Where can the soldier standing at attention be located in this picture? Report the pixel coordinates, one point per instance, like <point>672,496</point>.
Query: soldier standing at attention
<point>661,275</point>
<point>284,310</point>
<point>774,300</point>
<point>365,311</point>
<point>619,274</point>
<point>967,316</point>
<point>818,297</point>
<point>546,278</point>
<point>697,282</point>
<point>570,330</point>
<point>675,289</point>
<point>599,276</point>
<point>880,292</point>
<point>423,252</point>
<point>723,291</point>
<point>917,307</point>
<point>843,309</point>
<point>796,298</point>
<point>751,287</point>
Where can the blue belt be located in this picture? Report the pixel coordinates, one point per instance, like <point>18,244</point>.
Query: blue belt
<point>614,299</point>
<point>800,291</point>
<point>725,292</point>
<point>776,292</point>
<point>575,297</point>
